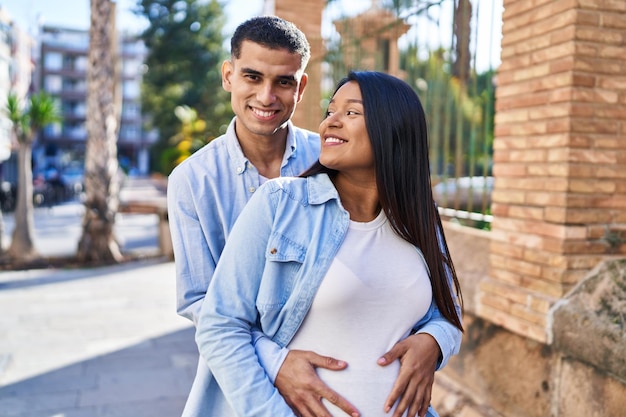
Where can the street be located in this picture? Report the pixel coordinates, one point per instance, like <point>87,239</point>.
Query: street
<point>93,342</point>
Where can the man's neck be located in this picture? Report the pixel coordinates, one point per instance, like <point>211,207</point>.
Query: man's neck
<point>265,153</point>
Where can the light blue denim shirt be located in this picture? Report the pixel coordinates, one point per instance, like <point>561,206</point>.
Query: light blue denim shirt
<point>276,257</point>
<point>205,195</point>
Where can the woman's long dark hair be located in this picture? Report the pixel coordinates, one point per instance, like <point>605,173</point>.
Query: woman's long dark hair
<point>396,124</point>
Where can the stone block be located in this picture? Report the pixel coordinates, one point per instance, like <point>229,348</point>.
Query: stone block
<point>589,324</point>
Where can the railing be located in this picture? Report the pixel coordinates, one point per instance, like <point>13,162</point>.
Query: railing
<point>457,92</point>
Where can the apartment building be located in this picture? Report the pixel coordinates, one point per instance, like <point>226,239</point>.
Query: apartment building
<point>61,72</point>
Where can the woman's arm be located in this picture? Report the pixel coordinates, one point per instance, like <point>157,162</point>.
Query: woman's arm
<point>228,314</point>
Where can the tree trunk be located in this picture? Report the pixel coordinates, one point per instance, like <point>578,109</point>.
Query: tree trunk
<point>462,34</point>
<point>22,246</point>
<point>102,181</point>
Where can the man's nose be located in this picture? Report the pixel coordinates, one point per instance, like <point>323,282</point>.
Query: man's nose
<point>266,94</point>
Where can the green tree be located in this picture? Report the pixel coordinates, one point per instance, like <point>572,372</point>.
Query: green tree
<point>41,111</point>
<point>185,50</point>
<point>102,180</point>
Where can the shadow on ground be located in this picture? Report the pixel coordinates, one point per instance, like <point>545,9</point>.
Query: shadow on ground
<point>150,379</point>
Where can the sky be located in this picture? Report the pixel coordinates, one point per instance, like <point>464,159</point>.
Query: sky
<point>75,14</point>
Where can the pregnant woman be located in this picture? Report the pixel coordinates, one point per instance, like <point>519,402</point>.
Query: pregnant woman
<point>345,260</point>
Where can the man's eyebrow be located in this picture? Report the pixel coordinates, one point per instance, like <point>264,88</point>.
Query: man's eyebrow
<point>251,71</point>
<point>287,77</point>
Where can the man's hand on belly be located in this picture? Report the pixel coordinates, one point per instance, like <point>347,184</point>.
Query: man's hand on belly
<point>303,390</point>
<point>418,355</point>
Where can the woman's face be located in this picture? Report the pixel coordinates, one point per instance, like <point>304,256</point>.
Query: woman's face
<point>346,145</point>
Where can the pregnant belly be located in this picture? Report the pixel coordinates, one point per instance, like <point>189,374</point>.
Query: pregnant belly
<point>366,386</point>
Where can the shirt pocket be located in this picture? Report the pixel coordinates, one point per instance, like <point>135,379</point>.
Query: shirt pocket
<point>284,258</point>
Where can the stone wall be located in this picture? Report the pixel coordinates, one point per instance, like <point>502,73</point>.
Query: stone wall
<point>499,373</point>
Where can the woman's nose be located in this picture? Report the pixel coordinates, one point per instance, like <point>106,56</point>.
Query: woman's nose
<point>333,120</point>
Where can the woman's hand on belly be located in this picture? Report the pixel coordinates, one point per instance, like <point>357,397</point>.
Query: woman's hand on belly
<point>418,355</point>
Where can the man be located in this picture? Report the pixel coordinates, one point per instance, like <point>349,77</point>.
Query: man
<point>206,193</point>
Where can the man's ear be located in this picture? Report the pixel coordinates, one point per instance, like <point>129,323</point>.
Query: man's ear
<point>227,72</point>
<point>303,80</point>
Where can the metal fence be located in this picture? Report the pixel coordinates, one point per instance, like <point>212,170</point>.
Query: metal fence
<point>459,102</point>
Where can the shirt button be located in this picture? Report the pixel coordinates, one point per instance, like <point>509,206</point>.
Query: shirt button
<point>239,170</point>
<point>252,189</point>
<point>273,251</point>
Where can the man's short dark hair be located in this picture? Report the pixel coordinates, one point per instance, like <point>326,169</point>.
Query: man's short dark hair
<point>271,32</point>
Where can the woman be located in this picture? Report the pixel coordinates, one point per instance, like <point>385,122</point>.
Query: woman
<point>345,260</point>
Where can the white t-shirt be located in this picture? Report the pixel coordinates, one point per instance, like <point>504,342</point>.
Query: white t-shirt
<point>376,289</point>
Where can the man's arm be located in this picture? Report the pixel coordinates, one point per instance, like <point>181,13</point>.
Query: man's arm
<point>194,262</point>
<point>420,356</point>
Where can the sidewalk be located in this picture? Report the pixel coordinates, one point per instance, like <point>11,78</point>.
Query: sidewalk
<point>100,342</point>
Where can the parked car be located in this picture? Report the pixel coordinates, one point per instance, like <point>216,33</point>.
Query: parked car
<point>73,177</point>
<point>456,193</point>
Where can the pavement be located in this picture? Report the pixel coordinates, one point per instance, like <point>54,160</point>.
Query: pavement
<point>94,342</point>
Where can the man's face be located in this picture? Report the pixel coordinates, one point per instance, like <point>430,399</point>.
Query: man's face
<point>265,85</point>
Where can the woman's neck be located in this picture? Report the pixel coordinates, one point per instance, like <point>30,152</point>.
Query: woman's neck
<point>359,197</point>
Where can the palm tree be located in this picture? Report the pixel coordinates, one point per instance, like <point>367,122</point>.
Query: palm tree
<point>27,123</point>
<point>102,182</point>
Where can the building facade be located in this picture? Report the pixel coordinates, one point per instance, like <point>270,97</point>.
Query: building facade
<point>16,67</point>
<point>62,73</point>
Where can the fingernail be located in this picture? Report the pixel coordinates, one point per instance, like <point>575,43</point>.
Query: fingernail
<point>381,361</point>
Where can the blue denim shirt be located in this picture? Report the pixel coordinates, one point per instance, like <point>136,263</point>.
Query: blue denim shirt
<point>205,195</point>
<point>275,259</point>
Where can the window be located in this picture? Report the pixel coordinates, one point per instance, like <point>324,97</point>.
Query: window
<point>53,83</point>
<point>53,61</point>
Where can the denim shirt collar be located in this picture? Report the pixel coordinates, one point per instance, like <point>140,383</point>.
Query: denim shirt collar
<point>241,163</point>
<point>321,189</point>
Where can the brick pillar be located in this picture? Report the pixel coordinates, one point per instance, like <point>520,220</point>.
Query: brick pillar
<point>307,15</point>
<point>559,201</point>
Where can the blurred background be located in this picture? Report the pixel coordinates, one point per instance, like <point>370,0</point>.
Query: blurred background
<point>172,103</point>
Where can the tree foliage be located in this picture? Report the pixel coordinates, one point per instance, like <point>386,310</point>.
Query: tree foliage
<point>185,50</point>
<point>190,137</point>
